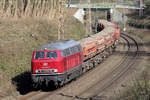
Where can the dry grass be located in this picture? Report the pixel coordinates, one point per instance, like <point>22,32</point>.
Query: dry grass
<point>18,38</point>
<point>142,33</point>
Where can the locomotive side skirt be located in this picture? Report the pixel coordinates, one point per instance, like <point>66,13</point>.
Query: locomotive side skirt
<point>57,78</point>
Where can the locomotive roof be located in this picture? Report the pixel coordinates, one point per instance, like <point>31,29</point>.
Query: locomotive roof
<point>58,45</point>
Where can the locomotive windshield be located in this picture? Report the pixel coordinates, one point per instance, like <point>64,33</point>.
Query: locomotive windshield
<point>39,55</point>
<point>51,55</point>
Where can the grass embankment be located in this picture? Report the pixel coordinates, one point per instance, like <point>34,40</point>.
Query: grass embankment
<point>17,41</point>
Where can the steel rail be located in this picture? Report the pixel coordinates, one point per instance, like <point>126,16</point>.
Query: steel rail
<point>50,93</point>
<point>119,70</point>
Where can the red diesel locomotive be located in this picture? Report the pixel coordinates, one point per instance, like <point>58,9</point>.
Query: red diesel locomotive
<point>57,62</point>
<point>64,60</point>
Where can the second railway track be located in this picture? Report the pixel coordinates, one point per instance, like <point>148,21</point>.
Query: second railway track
<point>93,92</point>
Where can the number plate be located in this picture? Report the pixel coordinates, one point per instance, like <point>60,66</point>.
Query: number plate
<point>45,71</point>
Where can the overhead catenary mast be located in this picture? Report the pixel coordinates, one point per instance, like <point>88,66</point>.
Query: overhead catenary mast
<point>88,20</point>
<point>61,19</point>
<point>141,8</point>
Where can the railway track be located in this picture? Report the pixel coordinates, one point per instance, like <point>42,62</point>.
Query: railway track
<point>123,67</point>
<point>95,89</point>
<point>41,97</point>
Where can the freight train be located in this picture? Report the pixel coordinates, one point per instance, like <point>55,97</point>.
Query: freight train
<point>63,60</point>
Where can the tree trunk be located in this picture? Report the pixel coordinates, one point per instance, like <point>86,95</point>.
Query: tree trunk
<point>1,8</point>
<point>16,12</point>
<point>28,8</point>
<point>9,9</point>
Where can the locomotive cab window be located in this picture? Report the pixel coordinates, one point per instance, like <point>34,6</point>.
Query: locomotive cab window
<point>39,55</point>
<point>66,52</point>
<point>51,55</point>
<point>74,49</point>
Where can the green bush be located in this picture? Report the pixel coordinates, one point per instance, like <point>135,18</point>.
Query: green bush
<point>140,90</point>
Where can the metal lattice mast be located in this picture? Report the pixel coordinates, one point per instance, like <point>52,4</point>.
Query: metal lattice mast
<point>141,8</point>
<point>61,19</point>
<point>88,20</point>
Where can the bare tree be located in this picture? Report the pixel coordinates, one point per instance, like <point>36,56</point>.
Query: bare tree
<point>28,8</point>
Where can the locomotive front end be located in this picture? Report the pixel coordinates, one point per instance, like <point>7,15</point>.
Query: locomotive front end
<point>46,66</point>
<point>57,62</point>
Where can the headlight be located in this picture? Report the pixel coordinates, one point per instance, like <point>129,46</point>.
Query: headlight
<point>54,70</point>
<point>36,71</point>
